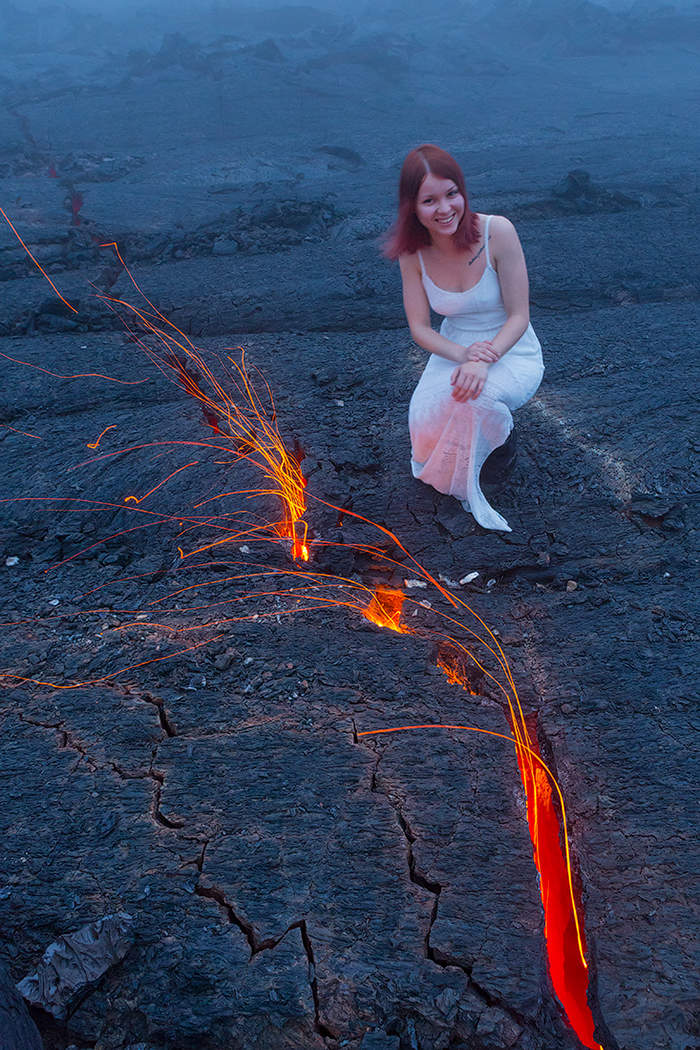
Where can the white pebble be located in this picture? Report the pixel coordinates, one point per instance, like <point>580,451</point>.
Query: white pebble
<point>12,560</point>
<point>469,578</point>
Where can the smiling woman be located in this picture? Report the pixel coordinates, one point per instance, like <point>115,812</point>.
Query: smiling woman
<point>486,361</point>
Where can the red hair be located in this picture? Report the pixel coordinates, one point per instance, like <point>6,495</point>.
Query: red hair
<point>407,234</point>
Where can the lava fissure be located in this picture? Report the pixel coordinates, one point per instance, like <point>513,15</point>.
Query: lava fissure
<point>165,723</point>
<point>213,893</point>
<point>570,981</point>
<point>321,1028</point>
<point>435,888</point>
<point>219,897</point>
<point>68,742</point>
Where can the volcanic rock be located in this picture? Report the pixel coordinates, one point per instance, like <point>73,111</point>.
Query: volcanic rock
<point>72,965</point>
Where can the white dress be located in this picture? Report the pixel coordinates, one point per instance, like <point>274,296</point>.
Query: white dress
<point>450,440</point>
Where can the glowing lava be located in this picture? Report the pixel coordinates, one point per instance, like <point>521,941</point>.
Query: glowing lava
<point>385,609</point>
<point>563,932</point>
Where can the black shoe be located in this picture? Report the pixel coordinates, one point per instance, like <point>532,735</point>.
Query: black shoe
<point>499,465</point>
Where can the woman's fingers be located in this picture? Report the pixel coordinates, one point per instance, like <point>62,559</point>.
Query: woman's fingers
<point>463,389</point>
<point>468,381</point>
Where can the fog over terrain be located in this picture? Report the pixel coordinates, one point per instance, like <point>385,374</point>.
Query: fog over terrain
<point>234,864</point>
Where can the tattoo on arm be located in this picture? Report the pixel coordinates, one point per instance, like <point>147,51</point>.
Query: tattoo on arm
<point>479,252</point>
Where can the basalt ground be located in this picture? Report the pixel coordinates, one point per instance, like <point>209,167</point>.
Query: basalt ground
<point>293,884</point>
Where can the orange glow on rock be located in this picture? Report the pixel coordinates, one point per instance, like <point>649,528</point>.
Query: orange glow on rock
<point>385,609</point>
<point>455,674</point>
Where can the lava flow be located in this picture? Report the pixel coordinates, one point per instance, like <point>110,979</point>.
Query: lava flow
<point>385,609</point>
<point>245,429</point>
<point>562,929</point>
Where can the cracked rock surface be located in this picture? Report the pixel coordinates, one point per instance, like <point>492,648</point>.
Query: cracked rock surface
<point>293,884</point>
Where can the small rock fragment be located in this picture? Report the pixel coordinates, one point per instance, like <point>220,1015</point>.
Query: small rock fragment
<point>12,560</point>
<point>76,961</point>
<point>411,584</point>
<point>571,585</point>
<point>469,578</point>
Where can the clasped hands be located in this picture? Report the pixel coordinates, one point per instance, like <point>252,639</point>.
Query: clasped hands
<point>468,378</point>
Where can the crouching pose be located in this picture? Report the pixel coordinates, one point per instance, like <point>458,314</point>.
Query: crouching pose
<point>486,360</point>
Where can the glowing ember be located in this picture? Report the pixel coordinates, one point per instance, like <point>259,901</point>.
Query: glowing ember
<point>385,609</point>
<point>455,674</point>
<point>39,267</point>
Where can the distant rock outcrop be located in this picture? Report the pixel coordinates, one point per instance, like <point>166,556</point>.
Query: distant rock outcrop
<point>577,193</point>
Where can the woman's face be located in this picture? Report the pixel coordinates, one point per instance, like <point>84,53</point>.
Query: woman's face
<point>439,206</point>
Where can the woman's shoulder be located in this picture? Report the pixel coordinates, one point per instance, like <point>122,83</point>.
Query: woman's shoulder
<point>499,225</point>
<point>494,221</point>
<point>409,261</point>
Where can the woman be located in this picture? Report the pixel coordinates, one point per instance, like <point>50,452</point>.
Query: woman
<point>486,361</point>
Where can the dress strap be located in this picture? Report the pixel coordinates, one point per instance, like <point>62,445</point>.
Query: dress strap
<point>422,264</point>
<point>486,241</point>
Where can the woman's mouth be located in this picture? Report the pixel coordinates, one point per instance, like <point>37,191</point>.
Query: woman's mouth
<point>446,222</point>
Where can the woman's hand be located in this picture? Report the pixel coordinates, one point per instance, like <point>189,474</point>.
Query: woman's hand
<point>468,380</point>
<point>482,351</point>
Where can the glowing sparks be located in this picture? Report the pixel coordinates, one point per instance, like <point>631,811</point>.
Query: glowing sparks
<point>24,433</point>
<point>36,263</point>
<point>96,444</point>
<point>232,407</point>
<point>75,375</point>
<point>140,499</point>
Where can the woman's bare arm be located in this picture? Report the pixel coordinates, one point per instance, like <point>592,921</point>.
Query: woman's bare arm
<point>509,261</point>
